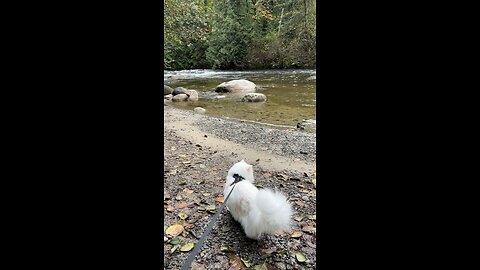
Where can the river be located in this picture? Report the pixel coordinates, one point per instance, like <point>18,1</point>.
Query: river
<point>290,93</point>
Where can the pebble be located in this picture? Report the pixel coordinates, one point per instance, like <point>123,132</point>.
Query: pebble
<point>305,198</point>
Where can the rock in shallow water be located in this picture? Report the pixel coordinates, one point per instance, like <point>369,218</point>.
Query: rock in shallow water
<point>179,90</point>
<point>167,90</point>
<point>254,97</point>
<point>236,86</point>
<point>180,97</point>
<point>192,95</point>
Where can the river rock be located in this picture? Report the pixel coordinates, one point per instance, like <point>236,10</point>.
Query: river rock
<point>168,97</point>
<point>254,97</point>
<point>167,90</point>
<point>179,90</point>
<point>236,86</point>
<point>192,95</point>
<point>180,97</point>
<point>199,110</point>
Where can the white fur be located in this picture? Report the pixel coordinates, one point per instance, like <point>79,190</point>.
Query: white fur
<point>259,211</point>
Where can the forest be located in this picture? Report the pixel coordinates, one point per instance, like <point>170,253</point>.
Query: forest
<point>239,34</point>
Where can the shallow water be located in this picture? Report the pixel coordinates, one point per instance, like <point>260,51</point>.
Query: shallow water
<point>290,94</point>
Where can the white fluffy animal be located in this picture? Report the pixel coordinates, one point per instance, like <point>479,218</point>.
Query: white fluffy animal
<point>259,211</point>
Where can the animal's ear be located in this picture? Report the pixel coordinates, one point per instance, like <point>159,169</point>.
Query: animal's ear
<point>242,161</point>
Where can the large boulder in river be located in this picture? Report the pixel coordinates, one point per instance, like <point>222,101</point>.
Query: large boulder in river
<point>179,90</point>
<point>167,90</point>
<point>236,86</point>
<point>192,95</point>
<point>180,97</point>
<point>254,97</point>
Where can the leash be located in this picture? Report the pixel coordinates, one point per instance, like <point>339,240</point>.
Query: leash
<point>198,246</point>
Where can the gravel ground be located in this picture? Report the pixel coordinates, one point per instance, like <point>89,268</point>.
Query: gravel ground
<point>194,175</point>
<point>285,142</point>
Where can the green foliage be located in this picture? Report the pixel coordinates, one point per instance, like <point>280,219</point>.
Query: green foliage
<point>235,34</point>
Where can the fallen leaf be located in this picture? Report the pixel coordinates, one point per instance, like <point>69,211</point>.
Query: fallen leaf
<point>226,249</point>
<point>178,198</point>
<point>235,263</point>
<point>247,263</point>
<point>300,257</point>
<point>312,217</point>
<point>269,250</point>
<point>298,218</point>
<point>296,234</point>
<point>175,241</point>
<point>170,208</point>
<point>219,199</point>
<point>187,247</point>
<point>300,203</point>
<point>211,208</point>
<point>309,229</point>
<point>197,266</point>
<point>226,228</point>
<point>174,230</point>
<point>206,194</point>
<point>262,266</point>
<point>187,225</point>
<point>188,191</point>
<point>182,215</point>
<point>173,249</point>
<point>182,205</point>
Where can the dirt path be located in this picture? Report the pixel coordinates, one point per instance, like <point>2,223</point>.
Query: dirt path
<point>197,158</point>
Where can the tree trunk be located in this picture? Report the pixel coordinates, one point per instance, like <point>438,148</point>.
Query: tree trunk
<point>306,19</point>
<point>280,23</point>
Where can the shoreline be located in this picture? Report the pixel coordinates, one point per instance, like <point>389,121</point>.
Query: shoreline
<point>290,148</point>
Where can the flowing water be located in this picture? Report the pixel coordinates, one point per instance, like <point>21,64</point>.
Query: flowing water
<point>290,95</point>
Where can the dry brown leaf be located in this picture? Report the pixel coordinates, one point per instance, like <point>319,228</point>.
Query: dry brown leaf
<point>188,191</point>
<point>300,203</point>
<point>183,205</point>
<point>309,229</point>
<point>197,266</point>
<point>174,230</point>
<point>235,263</point>
<point>296,234</point>
<point>219,199</point>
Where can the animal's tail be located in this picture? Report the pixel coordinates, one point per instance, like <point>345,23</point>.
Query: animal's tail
<point>273,215</point>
